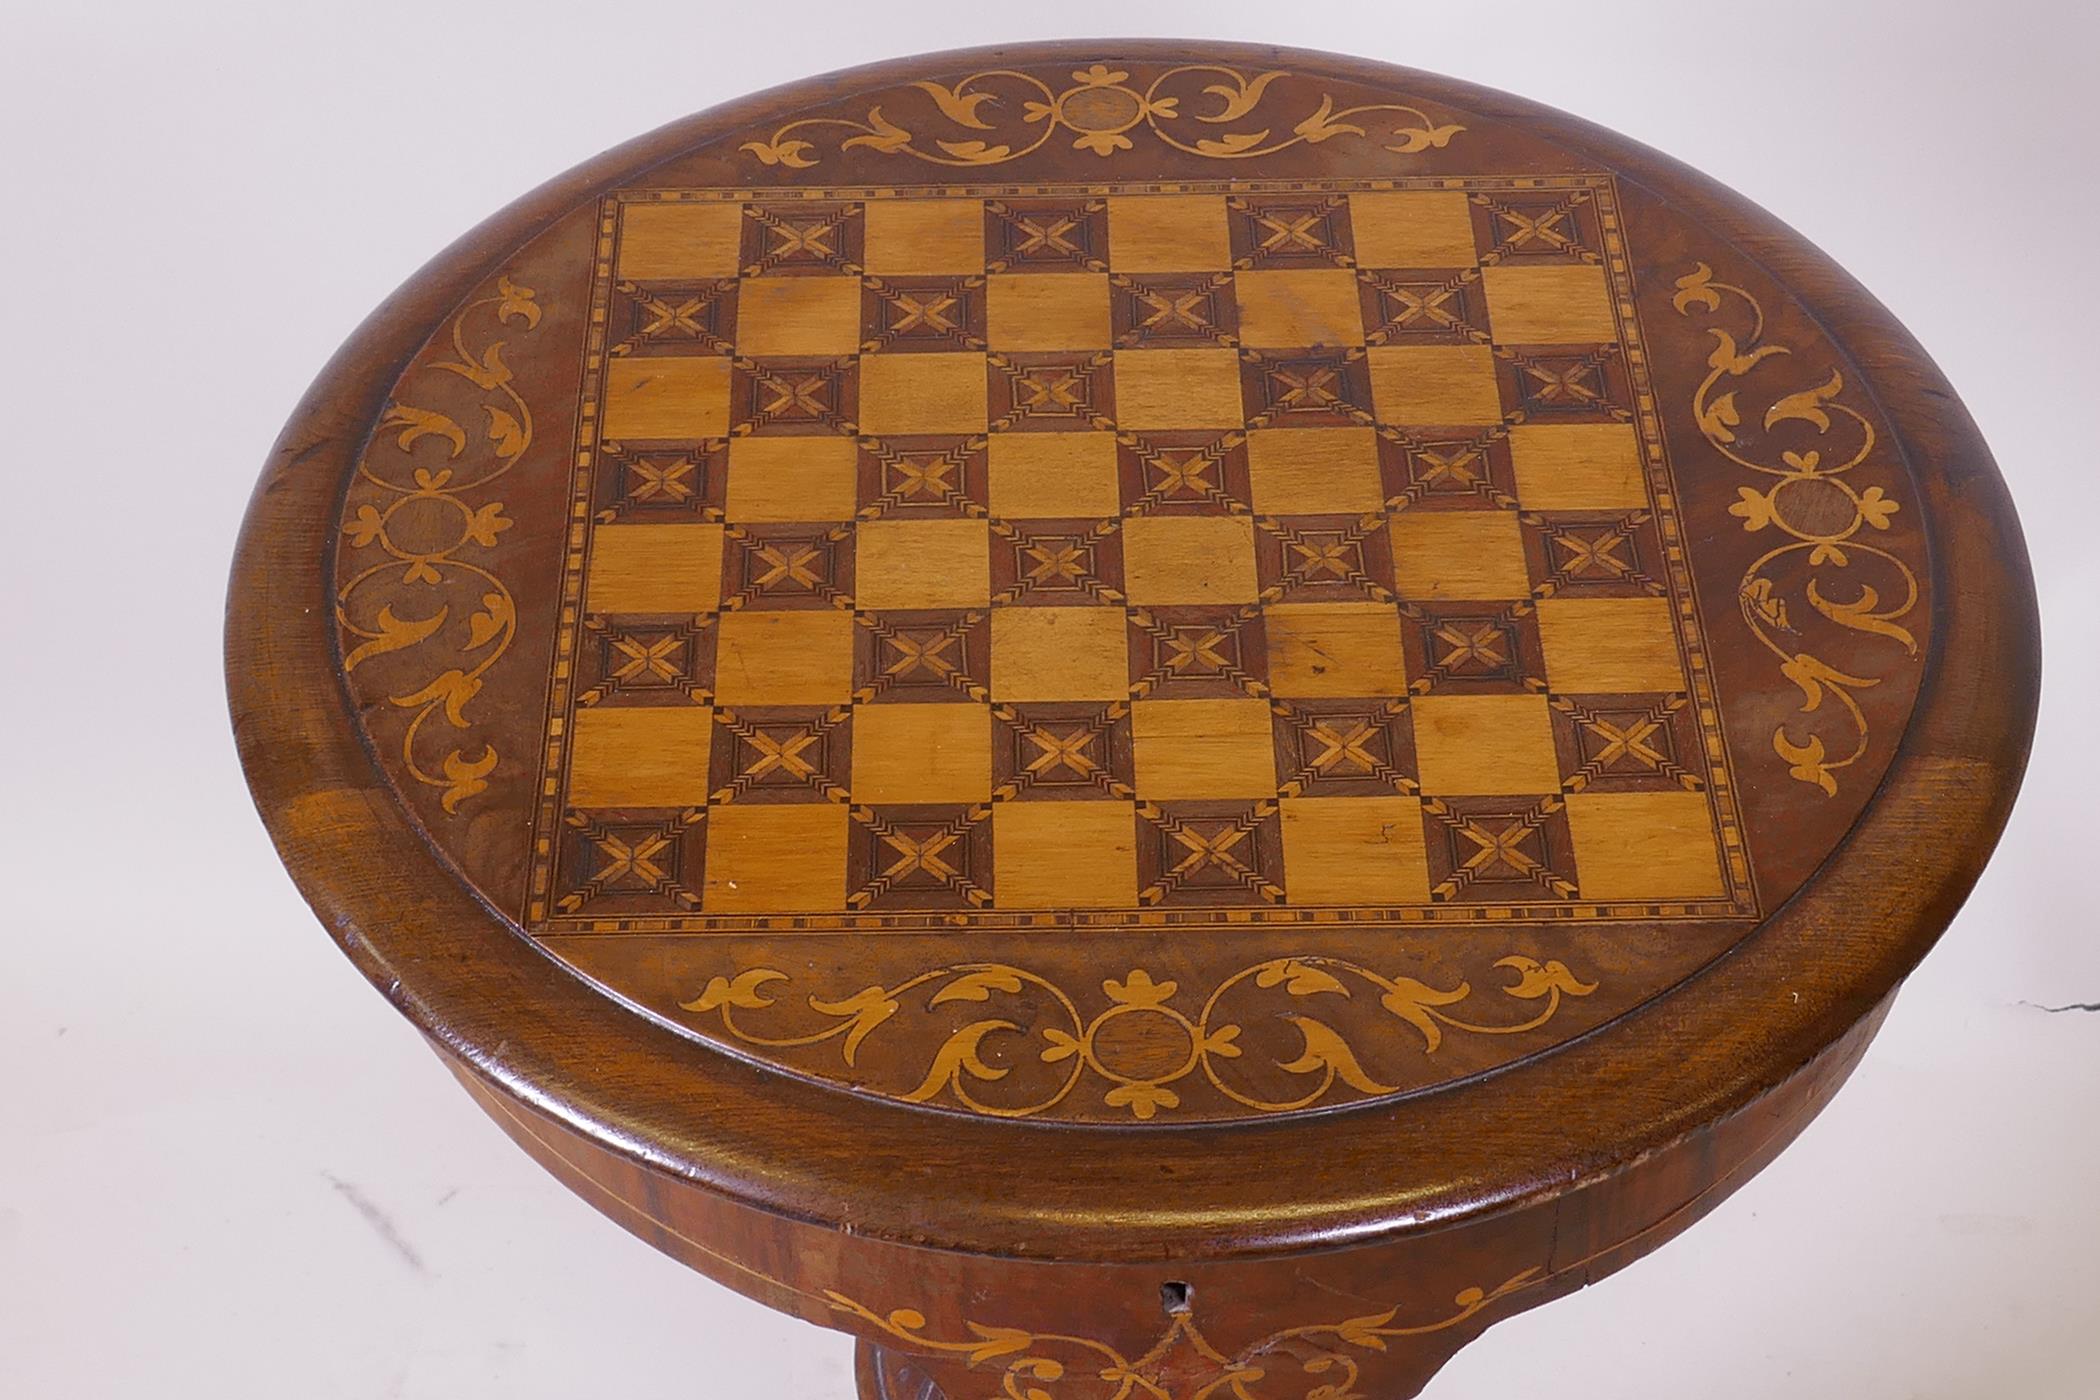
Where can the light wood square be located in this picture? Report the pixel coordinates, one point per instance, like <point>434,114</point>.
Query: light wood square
<point>942,393</point>
<point>1063,855</point>
<point>1412,228</point>
<point>1309,307</point>
<point>1203,748</point>
<point>1047,311</point>
<point>1415,385</point>
<point>1460,554</point>
<point>790,478</point>
<point>1604,645</point>
<point>640,756</point>
<point>922,564</point>
<point>680,242</point>
<point>1169,389</point>
<point>654,569</point>
<point>1644,845</point>
<point>1060,654</point>
<point>1314,471</point>
<point>784,658</point>
<point>773,858</point>
<point>922,753</point>
<point>798,316</point>
<point>1354,850</point>
<point>666,396</point>
<point>1168,233</point>
<point>1578,466</point>
<point>1053,475</point>
<point>1548,305</point>
<point>1189,559</point>
<point>1485,745</point>
<point>925,236</point>
<point>1334,649</point>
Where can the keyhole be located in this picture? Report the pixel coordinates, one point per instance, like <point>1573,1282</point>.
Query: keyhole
<point>1175,1296</point>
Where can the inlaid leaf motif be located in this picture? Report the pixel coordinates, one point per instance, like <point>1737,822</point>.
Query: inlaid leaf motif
<point>1719,418</point>
<point>516,303</point>
<point>881,134</point>
<point>1806,406</point>
<point>1876,507</point>
<point>1810,761</point>
<point>1410,1001</point>
<point>453,690</point>
<point>505,432</point>
<point>1763,602</point>
<point>485,370</point>
<point>1813,674</point>
<point>1103,143</point>
<point>418,423</point>
<point>1415,139</point>
<point>393,634</point>
<point>977,986</point>
<point>1299,979</point>
<point>366,526</point>
<point>1142,1099</point>
<point>1363,1331</point>
<point>1754,508</point>
<point>1325,1050</point>
<point>746,990</point>
<point>496,616</point>
<point>1730,358</point>
<point>864,1011</point>
<point>1241,98</point>
<point>998,1341</point>
<point>1233,142</point>
<point>1138,989</point>
<point>1322,124</point>
<point>1696,288</point>
<point>793,154</point>
<point>959,1056</point>
<point>465,778</point>
<point>1536,979</point>
<point>955,105</point>
<point>975,152</point>
<point>1861,614</point>
<point>484,523</point>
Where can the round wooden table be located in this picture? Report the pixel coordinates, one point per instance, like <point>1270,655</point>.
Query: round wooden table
<point>1140,720</point>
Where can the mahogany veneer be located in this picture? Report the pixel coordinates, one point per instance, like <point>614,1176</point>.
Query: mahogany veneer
<point>1137,719</point>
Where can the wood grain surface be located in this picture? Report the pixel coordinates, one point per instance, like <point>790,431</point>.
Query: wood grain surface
<point>1137,719</point>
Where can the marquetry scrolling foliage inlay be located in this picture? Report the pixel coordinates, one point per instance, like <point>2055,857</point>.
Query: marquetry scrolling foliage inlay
<point>1001,115</point>
<point>1182,1364</point>
<point>1140,1045</point>
<point>1809,498</point>
<point>419,523</point>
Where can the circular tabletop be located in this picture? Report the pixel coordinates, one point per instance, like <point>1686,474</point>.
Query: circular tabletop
<point>1211,646</point>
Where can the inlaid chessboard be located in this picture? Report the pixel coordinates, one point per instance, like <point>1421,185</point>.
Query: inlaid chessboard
<point>1281,550</point>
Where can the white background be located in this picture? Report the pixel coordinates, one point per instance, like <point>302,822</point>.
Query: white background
<point>204,1112</point>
